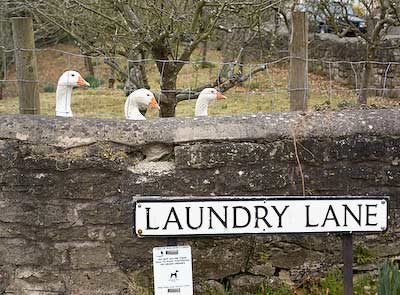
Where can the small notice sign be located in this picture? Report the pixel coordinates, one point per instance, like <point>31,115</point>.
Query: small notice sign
<point>173,270</point>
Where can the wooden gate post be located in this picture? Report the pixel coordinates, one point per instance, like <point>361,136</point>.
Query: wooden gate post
<point>298,68</point>
<point>25,59</point>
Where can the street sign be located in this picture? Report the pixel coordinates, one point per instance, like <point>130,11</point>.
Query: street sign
<point>172,270</point>
<point>189,216</point>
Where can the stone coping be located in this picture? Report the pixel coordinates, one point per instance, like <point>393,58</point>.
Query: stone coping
<point>73,132</point>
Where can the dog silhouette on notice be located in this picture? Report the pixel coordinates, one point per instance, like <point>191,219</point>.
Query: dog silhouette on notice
<point>174,275</point>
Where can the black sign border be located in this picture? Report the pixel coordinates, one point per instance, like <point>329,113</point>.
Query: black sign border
<point>164,199</point>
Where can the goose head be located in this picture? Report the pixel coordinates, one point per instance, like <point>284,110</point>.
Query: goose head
<point>67,81</point>
<point>206,96</point>
<point>139,97</point>
<point>72,79</point>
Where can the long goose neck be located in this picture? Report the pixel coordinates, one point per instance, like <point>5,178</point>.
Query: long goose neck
<point>201,108</point>
<point>132,110</point>
<point>63,101</point>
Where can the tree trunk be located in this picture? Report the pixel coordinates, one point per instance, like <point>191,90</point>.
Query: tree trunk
<point>111,78</point>
<point>137,77</point>
<point>168,75</point>
<point>204,53</point>
<point>370,55</point>
<point>168,85</point>
<point>89,65</point>
<point>366,74</point>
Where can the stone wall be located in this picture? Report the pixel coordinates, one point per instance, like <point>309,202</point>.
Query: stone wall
<point>328,47</point>
<point>67,188</point>
<point>324,48</point>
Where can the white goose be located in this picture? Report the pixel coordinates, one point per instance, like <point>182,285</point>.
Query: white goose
<point>66,82</point>
<point>138,98</point>
<point>206,96</point>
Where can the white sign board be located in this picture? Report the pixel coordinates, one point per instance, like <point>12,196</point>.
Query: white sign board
<point>173,270</point>
<point>259,215</point>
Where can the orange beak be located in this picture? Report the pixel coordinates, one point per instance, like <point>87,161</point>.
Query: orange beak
<point>220,95</point>
<point>82,82</point>
<point>154,104</point>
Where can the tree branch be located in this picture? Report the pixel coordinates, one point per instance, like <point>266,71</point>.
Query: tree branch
<point>202,36</point>
<point>223,86</point>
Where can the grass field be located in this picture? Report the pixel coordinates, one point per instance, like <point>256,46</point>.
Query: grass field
<point>106,103</point>
<point>265,92</point>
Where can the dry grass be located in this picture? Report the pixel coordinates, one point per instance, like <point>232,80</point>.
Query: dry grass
<point>106,103</point>
<point>265,92</point>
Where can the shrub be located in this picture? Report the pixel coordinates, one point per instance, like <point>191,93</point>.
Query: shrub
<point>363,255</point>
<point>49,88</point>
<point>389,278</point>
<point>204,65</point>
<point>93,81</point>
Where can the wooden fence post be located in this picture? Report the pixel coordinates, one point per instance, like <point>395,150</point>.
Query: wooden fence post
<point>3,59</point>
<point>2,62</point>
<point>298,69</point>
<point>25,59</point>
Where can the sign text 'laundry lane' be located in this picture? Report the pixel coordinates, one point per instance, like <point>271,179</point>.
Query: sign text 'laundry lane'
<point>218,216</point>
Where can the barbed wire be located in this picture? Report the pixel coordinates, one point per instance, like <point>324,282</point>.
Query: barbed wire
<point>217,63</point>
<point>271,86</point>
<point>143,60</point>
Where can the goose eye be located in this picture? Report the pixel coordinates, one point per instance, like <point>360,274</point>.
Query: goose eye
<point>73,75</point>
<point>148,94</point>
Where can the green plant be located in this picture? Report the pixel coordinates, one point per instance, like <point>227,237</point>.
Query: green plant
<point>204,65</point>
<point>280,291</point>
<point>365,284</point>
<point>264,255</point>
<point>253,85</point>
<point>49,88</point>
<point>346,104</point>
<point>363,255</point>
<point>389,278</point>
<point>93,81</point>
<point>224,106</point>
<point>263,290</point>
<point>333,282</point>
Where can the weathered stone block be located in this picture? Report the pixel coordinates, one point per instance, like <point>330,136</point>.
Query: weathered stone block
<point>107,281</point>
<point>88,257</point>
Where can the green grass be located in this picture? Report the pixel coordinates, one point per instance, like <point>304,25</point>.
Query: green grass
<point>331,284</point>
<point>264,290</point>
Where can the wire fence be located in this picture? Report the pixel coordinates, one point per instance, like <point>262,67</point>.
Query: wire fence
<point>261,87</point>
